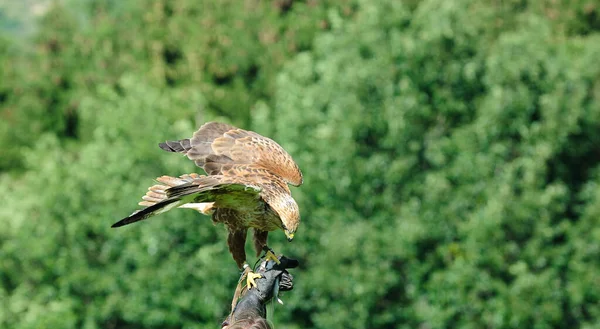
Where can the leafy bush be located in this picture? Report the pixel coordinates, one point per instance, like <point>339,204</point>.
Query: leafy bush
<point>447,165</point>
<point>450,153</point>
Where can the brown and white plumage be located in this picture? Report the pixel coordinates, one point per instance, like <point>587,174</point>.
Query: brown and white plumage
<point>216,145</point>
<point>246,186</point>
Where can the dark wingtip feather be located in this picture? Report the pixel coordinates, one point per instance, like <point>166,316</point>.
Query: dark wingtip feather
<point>144,213</point>
<point>136,216</point>
<point>119,223</point>
<point>165,147</point>
<point>180,146</point>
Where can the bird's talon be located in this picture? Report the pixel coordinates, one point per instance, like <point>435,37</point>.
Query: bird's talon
<point>250,279</point>
<point>269,255</point>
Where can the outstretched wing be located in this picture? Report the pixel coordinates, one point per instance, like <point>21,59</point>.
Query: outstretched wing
<point>216,145</point>
<point>217,189</point>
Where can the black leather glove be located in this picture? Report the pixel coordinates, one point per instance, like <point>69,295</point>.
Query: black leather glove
<point>275,278</point>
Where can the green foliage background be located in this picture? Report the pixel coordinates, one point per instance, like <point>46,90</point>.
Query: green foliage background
<point>451,154</point>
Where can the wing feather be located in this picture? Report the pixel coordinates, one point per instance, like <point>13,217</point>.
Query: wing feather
<point>201,190</point>
<point>216,145</point>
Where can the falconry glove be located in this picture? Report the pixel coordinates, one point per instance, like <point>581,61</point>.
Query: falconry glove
<point>275,278</point>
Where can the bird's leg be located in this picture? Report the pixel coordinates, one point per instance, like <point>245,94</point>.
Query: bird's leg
<point>250,276</point>
<point>235,241</point>
<point>241,288</point>
<point>270,254</point>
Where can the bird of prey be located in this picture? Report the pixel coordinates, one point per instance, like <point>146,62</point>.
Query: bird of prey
<point>246,186</point>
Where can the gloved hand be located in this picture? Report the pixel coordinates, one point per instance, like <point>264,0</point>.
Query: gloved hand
<point>275,278</point>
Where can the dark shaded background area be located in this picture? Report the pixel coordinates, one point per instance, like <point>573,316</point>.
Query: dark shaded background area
<point>451,155</point>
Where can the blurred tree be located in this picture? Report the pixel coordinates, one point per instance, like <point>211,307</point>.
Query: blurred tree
<point>229,50</point>
<point>446,160</point>
<point>61,260</point>
<point>450,152</point>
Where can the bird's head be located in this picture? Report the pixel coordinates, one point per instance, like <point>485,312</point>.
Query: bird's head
<point>288,212</point>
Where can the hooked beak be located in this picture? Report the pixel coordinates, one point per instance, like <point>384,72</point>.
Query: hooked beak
<point>290,236</point>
